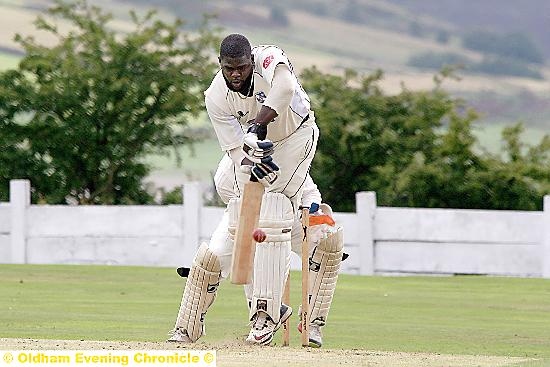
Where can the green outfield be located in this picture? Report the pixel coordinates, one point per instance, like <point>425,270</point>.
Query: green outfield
<point>466,315</point>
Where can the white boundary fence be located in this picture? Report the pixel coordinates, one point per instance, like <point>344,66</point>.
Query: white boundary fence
<point>380,240</point>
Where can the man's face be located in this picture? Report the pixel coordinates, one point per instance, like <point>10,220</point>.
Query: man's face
<point>236,71</point>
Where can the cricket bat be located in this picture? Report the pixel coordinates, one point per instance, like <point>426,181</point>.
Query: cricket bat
<point>242,261</point>
<point>286,301</point>
<point>245,247</point>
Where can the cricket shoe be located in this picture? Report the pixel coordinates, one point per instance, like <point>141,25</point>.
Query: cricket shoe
<point>179,335</point>
<point>285,313</point>
<point>263,327</point>
<point>315,335</point>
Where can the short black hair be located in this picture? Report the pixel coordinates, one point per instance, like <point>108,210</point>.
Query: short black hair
<point>235,45</point>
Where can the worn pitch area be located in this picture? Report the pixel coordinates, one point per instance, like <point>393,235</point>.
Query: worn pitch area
<point>241,354</point>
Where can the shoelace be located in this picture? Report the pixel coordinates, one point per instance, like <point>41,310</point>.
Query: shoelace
<point>173,332</point>
<point>178,331</point>
<point>261,321</point>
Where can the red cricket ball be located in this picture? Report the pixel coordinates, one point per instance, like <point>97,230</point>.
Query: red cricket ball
<point>258,235</point>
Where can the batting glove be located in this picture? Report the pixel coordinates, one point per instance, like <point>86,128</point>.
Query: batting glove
<point>265,172</point>
<point>255,146</point>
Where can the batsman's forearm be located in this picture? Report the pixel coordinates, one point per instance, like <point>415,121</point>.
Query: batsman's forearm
<point>265,116</point>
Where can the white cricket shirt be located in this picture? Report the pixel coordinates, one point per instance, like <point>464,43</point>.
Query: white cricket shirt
<point>230,111</point>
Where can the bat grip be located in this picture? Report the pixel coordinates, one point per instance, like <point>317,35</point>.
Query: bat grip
<point>262,133</point>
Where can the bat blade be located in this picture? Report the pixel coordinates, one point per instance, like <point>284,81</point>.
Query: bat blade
<point>244,247</point>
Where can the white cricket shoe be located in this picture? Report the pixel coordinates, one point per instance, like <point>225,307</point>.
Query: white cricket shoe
<point>262,329</point>
<point>315,334</point>
<point>179,335</point>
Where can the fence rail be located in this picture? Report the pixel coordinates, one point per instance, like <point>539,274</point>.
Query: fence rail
<point>380,240</point>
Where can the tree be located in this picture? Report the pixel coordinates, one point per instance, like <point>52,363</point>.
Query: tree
<point>278,16</point>
<point>516,46</point>
<point>352,12</point>
<point>82,114</point>
<point>415,149</point>
<point>442,36</point>
<point>367,138</point>
<point>416,29</point>
<point>436,60</point>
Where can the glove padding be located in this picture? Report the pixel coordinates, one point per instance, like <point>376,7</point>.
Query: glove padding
<point>255,146</point>
<point>266,171</point>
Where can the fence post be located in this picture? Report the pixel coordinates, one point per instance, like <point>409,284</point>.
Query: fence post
<point>20,200</point>
<point>192,203</point>
<point>546,238</point>
<point>366,207</point>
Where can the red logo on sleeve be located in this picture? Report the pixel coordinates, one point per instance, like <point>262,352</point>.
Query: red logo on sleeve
<point>267,61</point>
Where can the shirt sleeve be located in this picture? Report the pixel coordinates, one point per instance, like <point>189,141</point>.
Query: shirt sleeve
<point>282,90</point>
<point>226,126</point>
<point>311,193</point>
<point>267,59</point>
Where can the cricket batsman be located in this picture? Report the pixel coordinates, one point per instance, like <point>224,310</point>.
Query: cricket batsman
<point>254,95</point>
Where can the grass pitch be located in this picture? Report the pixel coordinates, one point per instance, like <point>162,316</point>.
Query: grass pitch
<point>451,315</point>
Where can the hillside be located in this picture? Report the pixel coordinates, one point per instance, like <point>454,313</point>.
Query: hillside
<point>364,35</point>
<point>498,15</point>
<point>377,35</point>
<point>371,34</point>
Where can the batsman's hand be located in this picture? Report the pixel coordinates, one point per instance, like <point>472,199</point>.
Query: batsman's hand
<point>265,172</point>
<point>255,146</point>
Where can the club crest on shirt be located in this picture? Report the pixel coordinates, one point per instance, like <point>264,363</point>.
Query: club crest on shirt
<point>260,97</point>
<point>267,61</point>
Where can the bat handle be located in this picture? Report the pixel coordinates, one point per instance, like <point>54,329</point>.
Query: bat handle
<point>262,133</point>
